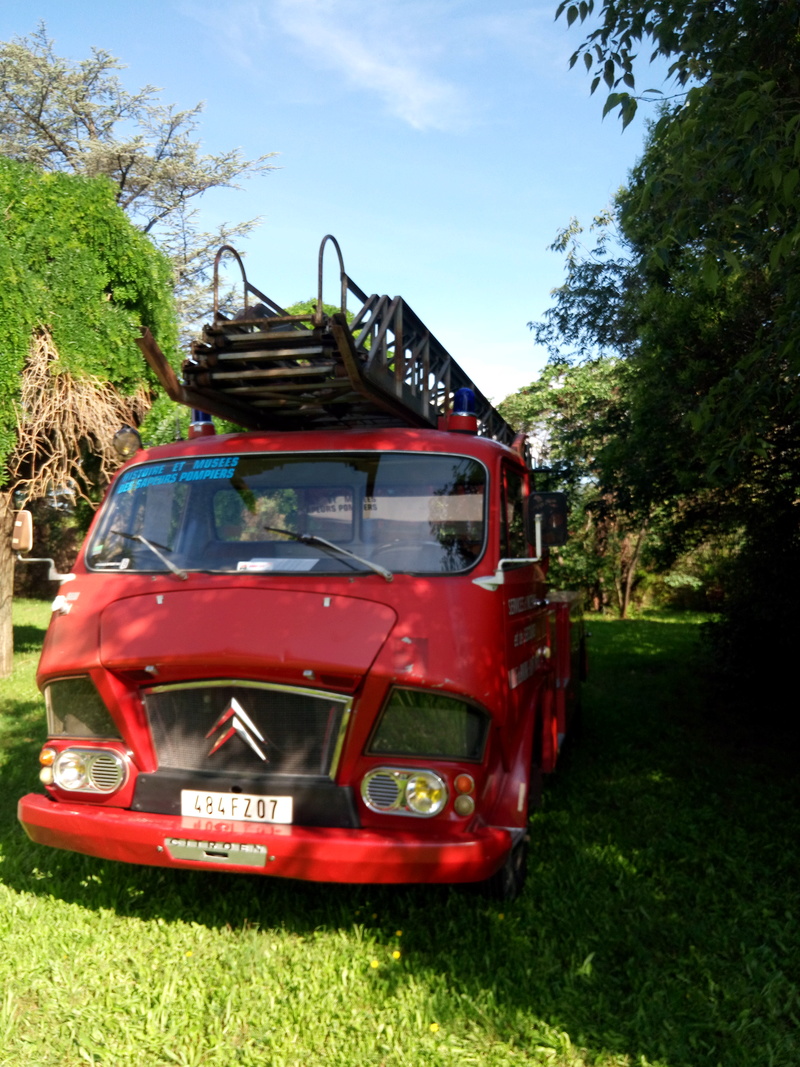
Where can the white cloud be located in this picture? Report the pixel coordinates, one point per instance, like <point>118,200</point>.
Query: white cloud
<point>237,27</point>
<point>425,60</point>
<point>382,47</point>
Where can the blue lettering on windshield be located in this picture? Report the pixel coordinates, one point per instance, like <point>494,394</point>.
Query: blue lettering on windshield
<point>197,476</point>
<point>168,474</point>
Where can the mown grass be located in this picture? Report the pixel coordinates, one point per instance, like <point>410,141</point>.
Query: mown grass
<point>658,926</point>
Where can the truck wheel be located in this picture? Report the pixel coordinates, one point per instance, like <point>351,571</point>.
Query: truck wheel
<point>535,786</point>
<point>536,779</point>
<point>506,884</point>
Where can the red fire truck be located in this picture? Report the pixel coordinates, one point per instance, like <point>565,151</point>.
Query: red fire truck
<point>322,648</point>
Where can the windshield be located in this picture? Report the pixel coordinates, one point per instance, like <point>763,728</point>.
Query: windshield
<point>416,512</point>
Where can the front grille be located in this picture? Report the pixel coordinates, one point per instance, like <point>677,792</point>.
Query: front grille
<point>254,728</point>
<point>382,791</point>
<point>106,772</point>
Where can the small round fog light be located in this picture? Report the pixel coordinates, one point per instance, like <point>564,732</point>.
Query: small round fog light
<point>464,805</point>
<point>46,775</point>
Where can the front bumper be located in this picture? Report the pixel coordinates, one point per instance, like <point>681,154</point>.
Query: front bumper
<point>311,853</point>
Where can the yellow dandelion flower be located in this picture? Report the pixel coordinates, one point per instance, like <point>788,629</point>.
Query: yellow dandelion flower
<point>398,933</point>
<point>190,953</point>
<point>374,964</point>
<point>434,1027</point>
<point>395,955</point>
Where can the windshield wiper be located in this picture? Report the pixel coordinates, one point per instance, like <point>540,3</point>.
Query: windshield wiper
<point>320,542</point>
<point>154,548</point>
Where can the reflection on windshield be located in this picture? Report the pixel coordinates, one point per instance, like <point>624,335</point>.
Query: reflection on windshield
<point>421,513</point>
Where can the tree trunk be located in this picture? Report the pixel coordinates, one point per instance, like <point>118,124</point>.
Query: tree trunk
<point>6,584</point>
<point>622,606</point>
<point>625,596</point>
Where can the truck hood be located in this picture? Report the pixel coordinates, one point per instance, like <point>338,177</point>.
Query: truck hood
<point>240,632</point>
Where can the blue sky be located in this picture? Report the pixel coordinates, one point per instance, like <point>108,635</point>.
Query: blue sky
<point>443,143</point>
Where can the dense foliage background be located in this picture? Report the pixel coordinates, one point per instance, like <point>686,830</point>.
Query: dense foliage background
<point>72,264</point>
<point>671,401</point>
<point>77,282</point>
<point>77,117</point>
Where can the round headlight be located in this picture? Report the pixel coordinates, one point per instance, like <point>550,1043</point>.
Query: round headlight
<point>89,770</point>
<point>70,770</point>
<point>426,793</point>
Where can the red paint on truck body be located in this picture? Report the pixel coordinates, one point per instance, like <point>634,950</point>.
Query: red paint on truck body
<point>323,631</point>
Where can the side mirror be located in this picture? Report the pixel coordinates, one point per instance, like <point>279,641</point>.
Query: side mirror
<point>22,541</point>
<point>22,534</point>
<point>546,521</point>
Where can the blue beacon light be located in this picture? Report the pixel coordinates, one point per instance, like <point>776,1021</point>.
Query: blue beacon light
<point>464,416</point>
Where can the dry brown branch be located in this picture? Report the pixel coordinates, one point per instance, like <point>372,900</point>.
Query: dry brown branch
<point>60,420</point>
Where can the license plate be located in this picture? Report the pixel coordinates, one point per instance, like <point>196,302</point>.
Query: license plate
<point>244,807</point>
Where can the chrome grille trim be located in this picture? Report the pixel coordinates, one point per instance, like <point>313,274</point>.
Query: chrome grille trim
<point>106,772</point>
<point>383,790</point>
<point>328,740</point>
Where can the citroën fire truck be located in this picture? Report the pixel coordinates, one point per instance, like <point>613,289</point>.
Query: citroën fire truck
<point>322,648</point>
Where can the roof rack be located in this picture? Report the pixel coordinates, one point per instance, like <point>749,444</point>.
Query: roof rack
<point>268,370</point>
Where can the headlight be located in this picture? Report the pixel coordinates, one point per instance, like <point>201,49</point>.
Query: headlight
<point>404,792</point>
<point>417,722</point>
<point>75,709</point>
<point>426,794</point>
<point>89,770</point>
<point>70,771</point>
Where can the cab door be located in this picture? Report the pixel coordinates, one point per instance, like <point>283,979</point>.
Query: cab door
<point>523,591</point>
<point>526,642</point>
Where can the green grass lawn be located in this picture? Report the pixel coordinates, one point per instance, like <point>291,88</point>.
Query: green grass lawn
<point>658,926</point>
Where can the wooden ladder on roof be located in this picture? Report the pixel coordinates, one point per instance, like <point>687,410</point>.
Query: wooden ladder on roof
<point>267,370</point>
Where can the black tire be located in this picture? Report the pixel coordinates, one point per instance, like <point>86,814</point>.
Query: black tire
<point>536,778</point>
<point>507,883</point>
<point>535,788</point>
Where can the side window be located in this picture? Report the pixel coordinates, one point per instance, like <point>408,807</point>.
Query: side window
<point>513,543</point>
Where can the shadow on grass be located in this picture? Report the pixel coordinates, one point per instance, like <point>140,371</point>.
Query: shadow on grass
<point>655,920</point>
<point>28,638</point>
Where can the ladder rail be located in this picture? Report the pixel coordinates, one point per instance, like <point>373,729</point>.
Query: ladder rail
<point>267,369</point>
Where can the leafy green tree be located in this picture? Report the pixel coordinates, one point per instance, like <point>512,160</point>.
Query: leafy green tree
<point>578,415</point>
<point>710,220</point>
<point>77,283</point>
<point>78,118</point>
<point>707,287</point>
